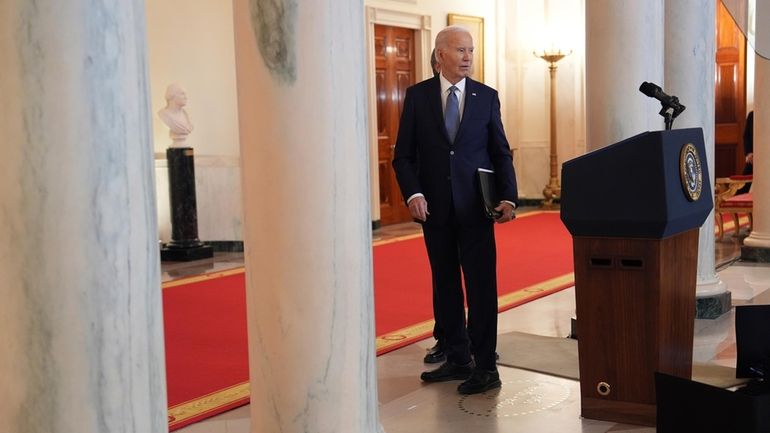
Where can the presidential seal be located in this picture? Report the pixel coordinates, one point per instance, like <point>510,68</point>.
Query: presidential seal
<point>690,172</point>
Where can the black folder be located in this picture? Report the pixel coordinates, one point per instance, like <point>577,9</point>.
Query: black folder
<point>489,192</point>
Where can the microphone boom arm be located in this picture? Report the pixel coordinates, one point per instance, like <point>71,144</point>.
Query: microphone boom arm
<point>670,111</point>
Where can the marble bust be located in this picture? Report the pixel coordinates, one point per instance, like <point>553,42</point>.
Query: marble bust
<point>175,116</point>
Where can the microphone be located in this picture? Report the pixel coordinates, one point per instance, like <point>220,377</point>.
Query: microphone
<point>654,91</point>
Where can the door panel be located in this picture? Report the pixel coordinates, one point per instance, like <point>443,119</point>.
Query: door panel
<point>394,72</point>
<point>730,104</point>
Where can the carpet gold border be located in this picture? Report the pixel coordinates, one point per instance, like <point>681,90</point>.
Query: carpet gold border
<point>377,243</point>
<point>398,336</point>
<point>536,290</point>
<point>184,411</point>
<point>396,239</point>
<point>203,277</point>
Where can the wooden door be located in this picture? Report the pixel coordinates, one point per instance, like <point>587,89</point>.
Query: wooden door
<point>730,107</point>
<point>394,72</point>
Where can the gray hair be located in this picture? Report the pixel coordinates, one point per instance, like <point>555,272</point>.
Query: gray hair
<point>443,35</point>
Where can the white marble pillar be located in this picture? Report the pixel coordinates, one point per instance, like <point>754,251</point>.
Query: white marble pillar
<point>307,232</point>
<point>689,74</point>
<point>82,340</point>
<point>624,47</point>
<point>760,233</point>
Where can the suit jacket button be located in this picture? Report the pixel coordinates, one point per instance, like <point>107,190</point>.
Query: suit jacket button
<point>449,178</point>
<point>451,152</point>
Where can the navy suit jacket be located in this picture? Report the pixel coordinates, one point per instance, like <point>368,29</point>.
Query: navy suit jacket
<point>426,162</point>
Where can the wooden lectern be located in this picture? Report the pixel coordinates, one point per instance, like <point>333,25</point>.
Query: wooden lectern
<point>634,209</point>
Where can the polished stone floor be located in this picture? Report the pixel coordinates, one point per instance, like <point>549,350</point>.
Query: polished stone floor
<point>407,405</point>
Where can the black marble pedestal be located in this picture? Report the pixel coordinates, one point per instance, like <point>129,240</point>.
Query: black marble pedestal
<point>755,254</point>
<point>184,245</point>
<point>713,306</point>
<point>171,254</point>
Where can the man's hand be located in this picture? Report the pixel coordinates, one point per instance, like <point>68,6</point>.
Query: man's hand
<point>418,207</point>
<point>506,211</point>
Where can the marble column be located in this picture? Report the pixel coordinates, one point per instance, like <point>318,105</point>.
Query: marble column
<point>624,47</point>
<point>307,232</point>
<point>82,343</point>
<point>689,74</point>
<point>757,245</point>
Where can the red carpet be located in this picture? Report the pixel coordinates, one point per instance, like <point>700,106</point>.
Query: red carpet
<point>532,249</point>
<point>207,367</point>
<point>205,317</point>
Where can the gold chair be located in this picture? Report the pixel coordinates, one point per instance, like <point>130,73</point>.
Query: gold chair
<point>726,201</point>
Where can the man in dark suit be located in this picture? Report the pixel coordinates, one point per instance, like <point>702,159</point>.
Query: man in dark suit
<point>748,150</point>
<point>434,63</point>
<point>450,127</point>
<point>748,143</point>
<point>436,353</point>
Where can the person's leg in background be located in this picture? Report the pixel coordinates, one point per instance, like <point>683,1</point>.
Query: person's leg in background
<point>436,353</point>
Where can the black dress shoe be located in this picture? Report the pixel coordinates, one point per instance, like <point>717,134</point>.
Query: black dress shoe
<point>480,381</point>
<point>448,371</point>
<point>435,355</point>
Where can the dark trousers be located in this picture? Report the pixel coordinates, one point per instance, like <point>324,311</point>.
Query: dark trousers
<point>437,334</point>
<point>456,253</point>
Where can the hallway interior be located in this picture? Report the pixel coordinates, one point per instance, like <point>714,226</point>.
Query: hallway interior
<point>407,405</point>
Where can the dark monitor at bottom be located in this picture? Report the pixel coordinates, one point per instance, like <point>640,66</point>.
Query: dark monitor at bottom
<point>752,341</point>
<point>685,406</point>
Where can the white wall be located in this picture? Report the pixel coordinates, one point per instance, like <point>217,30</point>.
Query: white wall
<point>192,43</point>
<point>535,25</point>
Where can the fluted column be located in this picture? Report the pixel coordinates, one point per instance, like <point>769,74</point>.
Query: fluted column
<point>624,47</point>
<point>307,234</point>
<point>758,242</point>
<point>689,74</point>
<point>80,304</point>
